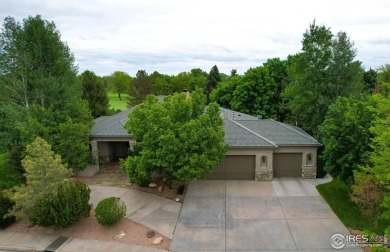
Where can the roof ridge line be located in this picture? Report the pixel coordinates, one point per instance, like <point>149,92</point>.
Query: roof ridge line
<point>251,131</point>
<point>296,131</point>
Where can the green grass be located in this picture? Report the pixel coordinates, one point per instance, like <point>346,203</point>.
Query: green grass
<point>115,103</point>
<point>9,176</point>
<point>336,193</point>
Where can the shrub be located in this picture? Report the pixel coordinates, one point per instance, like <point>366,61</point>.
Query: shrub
<point>5,205</point>
<point>368,195</point>
<point>110,211</point>
<point>62,207</point>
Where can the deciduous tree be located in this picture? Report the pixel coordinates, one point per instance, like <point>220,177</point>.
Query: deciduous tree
<point>179,136</point>
<point>255,94</point>
<point>380,156</point>
<point>223,93</point>
<point>324,70</point>
<point>345,134</point>
<point>120,82</point>
<point>36,67</point>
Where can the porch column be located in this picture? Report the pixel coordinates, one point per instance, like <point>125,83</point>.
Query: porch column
<point>95,151</point>
<point>131,144</point>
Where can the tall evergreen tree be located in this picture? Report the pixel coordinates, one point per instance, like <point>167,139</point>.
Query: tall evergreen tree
<point>44,170</point>
<point>370,79</point>
<point>212,81</point>
<point>94,93</point>
<point>142,86</point>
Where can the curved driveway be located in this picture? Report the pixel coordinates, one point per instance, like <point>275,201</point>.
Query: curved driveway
<point>254,216</point>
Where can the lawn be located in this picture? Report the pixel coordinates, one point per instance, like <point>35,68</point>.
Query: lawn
<point>115,103</point>
<point>9,177</point>
<point>336,193</point>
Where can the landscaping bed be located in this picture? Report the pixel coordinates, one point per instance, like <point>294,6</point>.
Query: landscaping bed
<point>168,189</point>
<point>88,228</point>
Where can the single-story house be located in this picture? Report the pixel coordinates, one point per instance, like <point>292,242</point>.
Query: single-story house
<point>259,149</point>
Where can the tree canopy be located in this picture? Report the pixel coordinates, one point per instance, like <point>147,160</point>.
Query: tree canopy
<point>38,77</point>
<point>180,136</point>
<point>212,81</point>
<point>380,156</point>
<point>255,94</point>
<point>94,93</point>
<point>346,136</point>
<point>37,67</point>
<point>44,170</point>
<point>120,82</point>
<point>141,87</point>
<point>324,70</point>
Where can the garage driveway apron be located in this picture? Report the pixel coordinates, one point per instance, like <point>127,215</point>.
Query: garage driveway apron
<point>253,216</point>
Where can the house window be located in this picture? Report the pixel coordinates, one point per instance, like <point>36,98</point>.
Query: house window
<point>309,159</point>
<point>263,162</point>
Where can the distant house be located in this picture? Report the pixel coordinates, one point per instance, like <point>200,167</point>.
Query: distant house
<point>259,149</point>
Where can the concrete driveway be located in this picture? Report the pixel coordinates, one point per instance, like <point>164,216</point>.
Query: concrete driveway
<point>254,216</point>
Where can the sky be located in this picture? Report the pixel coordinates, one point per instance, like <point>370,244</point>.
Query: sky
<point>173,36</point>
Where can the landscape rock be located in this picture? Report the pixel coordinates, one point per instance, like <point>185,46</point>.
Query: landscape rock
<point>157,241</point>
<point>152,185</point>
<point>28,224</point>
<point>160,189</point>
<point>120,235</point>
<point>164,179</point>
<point>150,233</point>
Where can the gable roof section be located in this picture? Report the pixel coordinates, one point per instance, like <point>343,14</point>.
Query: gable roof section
<point>112,126</point>
<point>241,130</point>
<point>263,132</point>
<point>237,136</point>
<point>280,133</point>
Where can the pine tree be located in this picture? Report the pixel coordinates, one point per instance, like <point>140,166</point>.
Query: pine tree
<point>44,171</point>
<point>212,81</point>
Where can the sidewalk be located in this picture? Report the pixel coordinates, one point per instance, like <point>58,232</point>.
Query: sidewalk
<point>152,211</point>
<point>40,242</point>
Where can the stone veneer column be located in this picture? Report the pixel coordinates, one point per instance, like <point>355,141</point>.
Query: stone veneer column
<point>95,151</point>
<point>309,172</point>
<point>264,174</point>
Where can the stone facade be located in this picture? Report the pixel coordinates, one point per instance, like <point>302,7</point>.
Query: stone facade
<point>263,174</point>
<point>309,173</point>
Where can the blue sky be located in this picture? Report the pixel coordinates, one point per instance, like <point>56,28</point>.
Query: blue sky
<point>173,36</point>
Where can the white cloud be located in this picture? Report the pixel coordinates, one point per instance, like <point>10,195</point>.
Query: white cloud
<point>172,36</point>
